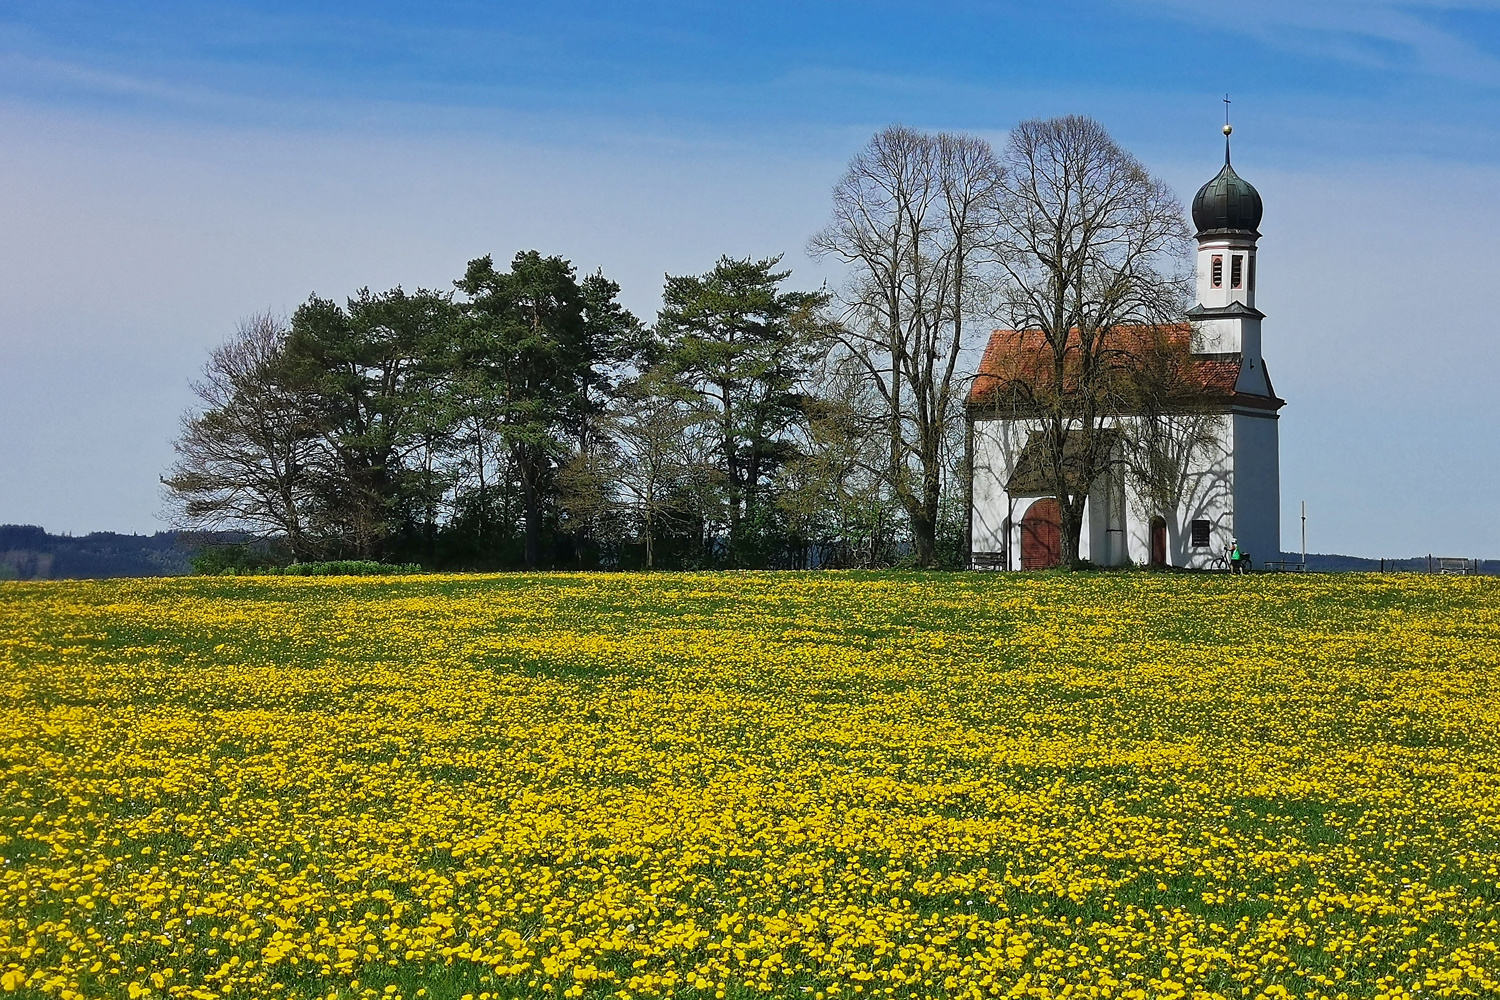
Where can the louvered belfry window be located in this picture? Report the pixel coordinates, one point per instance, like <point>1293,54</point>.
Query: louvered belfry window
<point>1236,270</point>
<point>1218,271</point>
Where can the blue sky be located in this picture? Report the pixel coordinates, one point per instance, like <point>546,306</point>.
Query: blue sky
<point>167,168</point>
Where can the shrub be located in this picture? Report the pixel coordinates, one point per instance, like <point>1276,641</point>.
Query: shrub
<point>350,567</point>
<point>236,558</point>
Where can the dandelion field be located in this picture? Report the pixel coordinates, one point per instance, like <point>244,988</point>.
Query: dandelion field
<point>740,785</point>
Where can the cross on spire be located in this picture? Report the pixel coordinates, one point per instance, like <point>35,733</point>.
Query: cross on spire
<point>1228,128</point>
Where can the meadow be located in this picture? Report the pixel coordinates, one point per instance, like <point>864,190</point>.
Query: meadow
<point>743,785</point>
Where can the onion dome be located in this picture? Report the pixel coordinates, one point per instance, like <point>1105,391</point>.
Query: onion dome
<point>1227,204</point>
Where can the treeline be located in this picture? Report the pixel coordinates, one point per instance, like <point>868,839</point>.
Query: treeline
<point>525,418</point>
<point>28,552</point>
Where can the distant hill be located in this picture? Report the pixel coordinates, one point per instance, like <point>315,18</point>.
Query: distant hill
<point>27,552</point>
<point>1321,562</point>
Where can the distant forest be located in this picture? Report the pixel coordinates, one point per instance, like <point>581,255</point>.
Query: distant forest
<point>27,552</point>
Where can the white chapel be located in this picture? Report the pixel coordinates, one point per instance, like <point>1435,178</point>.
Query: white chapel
<point>1225,485</point>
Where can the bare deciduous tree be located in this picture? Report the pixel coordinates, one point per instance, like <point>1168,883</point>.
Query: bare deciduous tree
<point>1173,427</point>
<point>1090,246</point>
<point>915,216</point>
<point>652,421</point>
<point>247,461</point>
<point>835,493</point>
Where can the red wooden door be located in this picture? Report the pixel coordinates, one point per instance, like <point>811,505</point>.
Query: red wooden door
<point>1041,535</point>
<point>1158,541</point>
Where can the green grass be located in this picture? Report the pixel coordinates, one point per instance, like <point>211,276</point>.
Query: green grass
<point>1188,764</point>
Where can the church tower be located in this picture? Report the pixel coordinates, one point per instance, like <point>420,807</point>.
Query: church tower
<point>1226,329</point>
<point>1227,211</point>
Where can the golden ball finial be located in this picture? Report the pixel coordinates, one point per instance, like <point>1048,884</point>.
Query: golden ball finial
<point>1228,128</point>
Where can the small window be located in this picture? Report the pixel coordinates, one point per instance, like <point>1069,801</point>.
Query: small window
<point>1200,534</point>
<point>1251,282</point>
<point>1218,271</point>
<point>1236,270</point>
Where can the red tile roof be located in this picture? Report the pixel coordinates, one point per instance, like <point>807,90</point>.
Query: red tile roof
<point>1021,356</point>
<point>1217,375</point>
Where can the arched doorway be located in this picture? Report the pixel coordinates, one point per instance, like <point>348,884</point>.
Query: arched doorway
<point>1041,535</point>
<point>1158,541</point>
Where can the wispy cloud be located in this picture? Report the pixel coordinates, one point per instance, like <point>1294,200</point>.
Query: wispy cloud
<point>51,78</point>
<point>1412,35</point>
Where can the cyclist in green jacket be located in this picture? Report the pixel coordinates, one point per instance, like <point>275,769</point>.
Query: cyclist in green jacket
<point>1239,560</point>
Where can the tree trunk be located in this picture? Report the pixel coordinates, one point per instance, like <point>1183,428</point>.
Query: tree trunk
<point>923,509</point>
<point>968,476</point>
<point>1070,521</point>
<point>483,498</point>
<point>529,464</point>
<point>924,539</point>
<point>650,554</point>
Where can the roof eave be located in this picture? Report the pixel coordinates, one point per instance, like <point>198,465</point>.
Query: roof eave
<point>1204,234</point>
<point>1234,309</point>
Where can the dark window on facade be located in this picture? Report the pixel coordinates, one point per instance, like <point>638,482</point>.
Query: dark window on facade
<point>1236,270</point>
<point>1218,276</point>
<point>1200,534</point>
<point>1251,283</point>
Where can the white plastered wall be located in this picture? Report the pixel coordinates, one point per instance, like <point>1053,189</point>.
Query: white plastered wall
<point>1117,519</point>
<point>1229,335</point>
<point>1257,486</point>
<point>1206,492</point>
<point>1105,539</point>
<point>1226,248</point>
<point>997,445</point>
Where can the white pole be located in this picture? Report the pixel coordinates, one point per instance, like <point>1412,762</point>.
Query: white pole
<point>1304,534</point>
